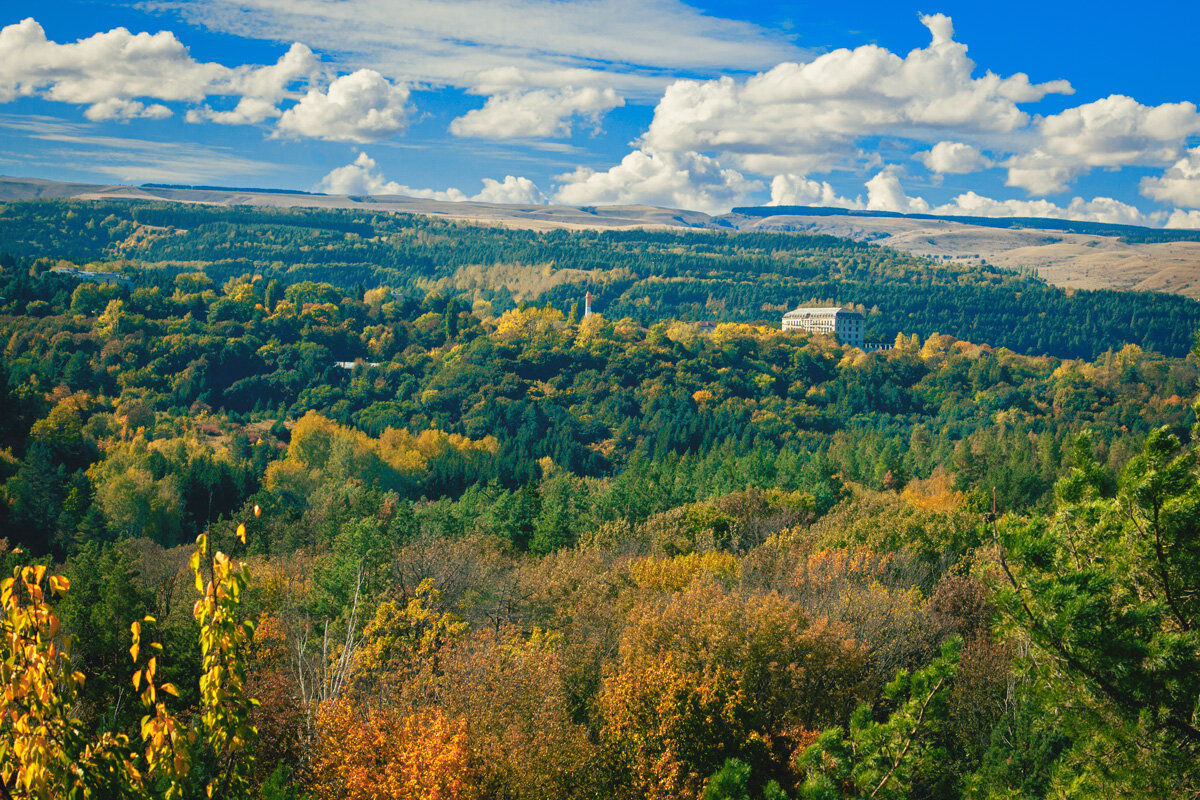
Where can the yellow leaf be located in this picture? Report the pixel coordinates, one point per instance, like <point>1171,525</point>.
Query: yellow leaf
<point>241,533</point>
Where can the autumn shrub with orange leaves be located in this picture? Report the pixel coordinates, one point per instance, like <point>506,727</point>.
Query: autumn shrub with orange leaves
<point>511,690</point>
<point>713,673</point>
<point>383,754</point>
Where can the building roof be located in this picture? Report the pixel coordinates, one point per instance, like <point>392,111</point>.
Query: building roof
<point>820,311</point>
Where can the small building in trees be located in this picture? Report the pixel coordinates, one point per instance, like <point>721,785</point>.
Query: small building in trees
<point>846,324</point>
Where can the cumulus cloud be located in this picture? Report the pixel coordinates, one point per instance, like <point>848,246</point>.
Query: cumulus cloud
<point>807,117</point>
<point>363,106</point>
<point>118,108</point>
<point>261,89</point>
<point>1180,184</point>
<point>884,193</point>
<point>676,180</point>
<point>113,73</point>
<point>1184,219</point>
<point>798,190</point>
<point>248,111</point>
<point>541,113</point>
<point>512,190</point>
<point>362,177</point>
<point>956,158</point>
<point>101,70</point>
<point>1098,209</point>
<point>1115,131</point>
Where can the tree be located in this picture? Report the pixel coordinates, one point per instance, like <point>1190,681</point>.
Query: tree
<point>877,759</point>
<point>383,753</point>
<point>45,752</point>
<point>1108,593</point>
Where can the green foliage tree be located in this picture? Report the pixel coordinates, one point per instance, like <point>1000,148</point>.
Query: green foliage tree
<point>1107,592</point>
<point>877,758</point>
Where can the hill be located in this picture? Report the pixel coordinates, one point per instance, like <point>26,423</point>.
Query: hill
<point>646,275</point>
<point>1076,255</point>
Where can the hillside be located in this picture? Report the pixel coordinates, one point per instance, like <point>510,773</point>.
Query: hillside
<point>546,544</point>
<point>1065,253</point>
<point>1069,254</point>
<point>646,275</point>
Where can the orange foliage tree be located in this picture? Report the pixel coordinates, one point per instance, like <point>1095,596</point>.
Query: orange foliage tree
<point>711,674</point>
<point>384,754</point>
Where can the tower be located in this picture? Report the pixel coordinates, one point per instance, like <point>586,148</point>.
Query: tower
<point>587,305</point>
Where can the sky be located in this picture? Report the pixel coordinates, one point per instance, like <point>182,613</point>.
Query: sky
<point>1073,110</point>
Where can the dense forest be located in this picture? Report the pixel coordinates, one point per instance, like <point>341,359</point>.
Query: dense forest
<point>331,505</point>
<point>645,275</point>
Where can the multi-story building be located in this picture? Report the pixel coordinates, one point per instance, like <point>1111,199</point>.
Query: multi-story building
<point>847,325</point>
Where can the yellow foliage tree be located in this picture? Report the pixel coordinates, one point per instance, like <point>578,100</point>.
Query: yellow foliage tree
<point>45,752</point>
<point>403,639</point>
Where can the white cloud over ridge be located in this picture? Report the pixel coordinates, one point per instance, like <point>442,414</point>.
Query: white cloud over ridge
<point>1180,184</point>
<point>543,113</point>
<point>674,180</point>
<point>362,177</point>
<point>1184,219</point>
<point>799,190</point>
<point>885,193</point>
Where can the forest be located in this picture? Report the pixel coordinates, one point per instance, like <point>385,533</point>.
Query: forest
<point>698,275</point>
<point>330,505</point>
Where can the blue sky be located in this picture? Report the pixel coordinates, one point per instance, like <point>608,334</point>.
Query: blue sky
<point>1016,108</point>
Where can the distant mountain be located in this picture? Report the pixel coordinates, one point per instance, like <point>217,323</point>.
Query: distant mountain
<point>1076,255</point>
<point>1128,233</point>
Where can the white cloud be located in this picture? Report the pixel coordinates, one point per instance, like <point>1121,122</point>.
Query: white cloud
<point>117,108</point>
<point>270,83</point>
<point>362,177</point>
<point>112,73</point>
<point>798,190</point>
<point>956,158</point>
<point>808,117</point>
<point>261,89</point>
<point>363,106</point>
<point>884,193</point>
<point>513,190</point>
<point>248,111</point>
<point>1184,219</point>
<point>539,113</point>
<point>675,180</point>
<point>1180,184</point>
<point>101,69</point>
<point>1098,209</point>
<point>1115,131</point>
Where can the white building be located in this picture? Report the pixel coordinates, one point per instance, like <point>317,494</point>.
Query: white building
<point>845,324</point>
